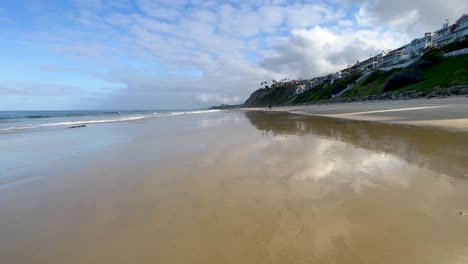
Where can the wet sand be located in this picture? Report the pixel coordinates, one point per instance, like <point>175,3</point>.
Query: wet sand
<point>235,187</point>
<point>449,113</point>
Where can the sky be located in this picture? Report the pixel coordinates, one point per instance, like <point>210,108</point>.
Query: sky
<point>186,54</point>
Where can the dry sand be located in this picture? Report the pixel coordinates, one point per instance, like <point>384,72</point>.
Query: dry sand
<point>450,112</point>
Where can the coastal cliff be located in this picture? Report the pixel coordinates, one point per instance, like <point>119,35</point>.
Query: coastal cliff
<point>270,96</point>
<point>433,75</point>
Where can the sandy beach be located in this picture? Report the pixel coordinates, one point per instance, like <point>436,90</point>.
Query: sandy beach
<point>449,112</point>
<point>235,187</point>
<point>124,138</point>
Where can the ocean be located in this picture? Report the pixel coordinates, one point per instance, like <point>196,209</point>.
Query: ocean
<point>14,121</point>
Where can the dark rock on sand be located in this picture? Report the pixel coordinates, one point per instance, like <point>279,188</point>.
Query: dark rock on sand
<point>77,126</point>
<point>463,91</point>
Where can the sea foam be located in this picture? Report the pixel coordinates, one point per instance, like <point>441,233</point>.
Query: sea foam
<point>22,126</point>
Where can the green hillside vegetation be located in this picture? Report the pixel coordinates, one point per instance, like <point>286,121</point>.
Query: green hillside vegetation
<point>271,96</point>
<point>320,92</point>
<point>414,73</point>
<point>324,92</point>
<point>458,45</point>
<point>429,73</point>
<point>341,84</point>
<point>448,72</point>
<point>373,84</point>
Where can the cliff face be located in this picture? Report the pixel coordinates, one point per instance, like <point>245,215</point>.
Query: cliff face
<point>285,93</point>
<point>432,75</point>
<point>272,96</point>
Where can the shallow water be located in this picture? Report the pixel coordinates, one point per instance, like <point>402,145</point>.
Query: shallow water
<point>20,121</point>
<point>234,187</point>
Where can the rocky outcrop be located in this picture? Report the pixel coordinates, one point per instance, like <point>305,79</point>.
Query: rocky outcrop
<point>453,90</point>
<point>77,126</point>
<point>463,91</point>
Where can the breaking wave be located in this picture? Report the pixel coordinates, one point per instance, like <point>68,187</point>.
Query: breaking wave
<point>21,126</point>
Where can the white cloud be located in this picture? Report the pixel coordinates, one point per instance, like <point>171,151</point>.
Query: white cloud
<point>416,16</point>
<point>210,98</point>
<point>322,50</point>
<point>231,46</point>
<point>170,10</point>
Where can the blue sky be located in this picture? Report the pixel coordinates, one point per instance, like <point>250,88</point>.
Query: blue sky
<point>156,54</point>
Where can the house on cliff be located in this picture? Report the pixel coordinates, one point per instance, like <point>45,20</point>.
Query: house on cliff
<point>416,47</point>
<point>404,55</point>
<point>444,35</point>
<point>461,30</point>
<point>450,33</point>
<point>391,58</point>
<point>370,63</point>
<point>300,88</point>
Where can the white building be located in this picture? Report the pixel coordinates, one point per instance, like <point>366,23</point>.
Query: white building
<point>391,58</point>
<point>300,88</point>
<point>449,33</point>
<point>405,55</point>
<point>461,30</point>
<point>370,63</point>
<point>416,47</point>
<point>313,83</point>
<point>444,35</point>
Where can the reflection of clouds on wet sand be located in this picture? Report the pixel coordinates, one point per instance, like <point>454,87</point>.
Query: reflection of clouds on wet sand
<point>435,149</point>
<point>210,122</point>
<point>291,160</point>
<point>215,189</point>
<point>387,188</point>
<point>300,197</point>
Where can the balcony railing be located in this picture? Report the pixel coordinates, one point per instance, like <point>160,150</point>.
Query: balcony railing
<point>456,53</point>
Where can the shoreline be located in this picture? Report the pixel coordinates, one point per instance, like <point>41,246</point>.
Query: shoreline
<point>448,113</point>
<point>235,187</point>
